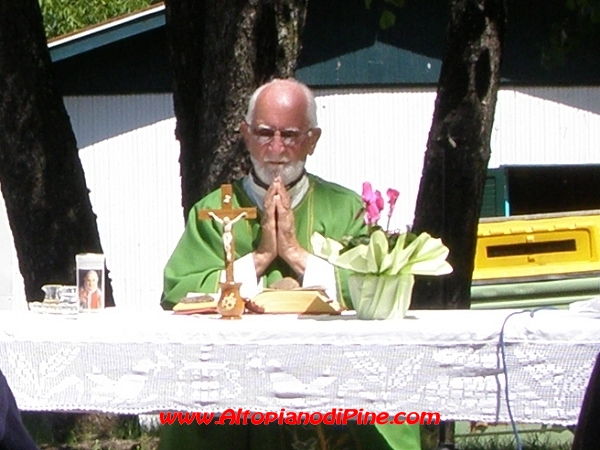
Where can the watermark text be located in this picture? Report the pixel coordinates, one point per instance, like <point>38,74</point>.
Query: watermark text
<point>334,417</point>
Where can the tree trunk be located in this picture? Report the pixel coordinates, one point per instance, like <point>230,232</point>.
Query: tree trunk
<point>221,50</point>
<point>41,176</point>
<point>458,148</point>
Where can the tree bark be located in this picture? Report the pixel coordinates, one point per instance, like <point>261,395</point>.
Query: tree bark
<point>221,50</point>
<point>458,147</point>
<point>41,176</point>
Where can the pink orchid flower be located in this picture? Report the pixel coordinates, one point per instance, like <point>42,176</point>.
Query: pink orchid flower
<point>373,204</point>
<point>393,195</point>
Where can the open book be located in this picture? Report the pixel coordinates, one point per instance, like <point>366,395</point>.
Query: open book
<point>311,300</point>
<point>196,303</point>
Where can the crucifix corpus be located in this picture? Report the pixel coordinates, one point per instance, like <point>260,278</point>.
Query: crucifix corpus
<point>231,305</point>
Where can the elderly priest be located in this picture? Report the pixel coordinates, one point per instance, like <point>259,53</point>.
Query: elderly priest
<point>280,131</point>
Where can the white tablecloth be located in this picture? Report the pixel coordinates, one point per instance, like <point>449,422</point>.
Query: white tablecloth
<point>439,361</point>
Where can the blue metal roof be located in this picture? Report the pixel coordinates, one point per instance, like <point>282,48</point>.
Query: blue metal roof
<point>106,33</point>
<point>351,50</point>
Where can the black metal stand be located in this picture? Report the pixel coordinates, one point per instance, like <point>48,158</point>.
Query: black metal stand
<point>446,441</point>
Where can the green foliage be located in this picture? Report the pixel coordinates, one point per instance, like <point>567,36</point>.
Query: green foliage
<point>350,242</point>
<point>66,16</point>
<point>509,444</point>
<point>387,19</point>
<point>386,10</point>
<point>577,30</point>
<point>586,8</point>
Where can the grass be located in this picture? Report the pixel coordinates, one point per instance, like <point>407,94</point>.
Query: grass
<point>60,431</point>
<point>536,443</point>
<point>500,437</point>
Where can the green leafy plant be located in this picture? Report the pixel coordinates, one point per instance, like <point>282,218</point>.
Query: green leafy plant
<point>387,19</point>
<point>65,16</point>
<point>380,251</point>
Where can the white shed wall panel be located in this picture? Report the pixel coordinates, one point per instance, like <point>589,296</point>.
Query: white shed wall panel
<point>130,157</point>
<point>380,135</point>
<point>11,287</point>
<point>546,125</point>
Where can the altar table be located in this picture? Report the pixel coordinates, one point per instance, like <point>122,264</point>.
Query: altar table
<point>440,361</point>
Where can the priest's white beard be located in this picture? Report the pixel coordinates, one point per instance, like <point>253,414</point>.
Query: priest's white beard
<point>289,172</point>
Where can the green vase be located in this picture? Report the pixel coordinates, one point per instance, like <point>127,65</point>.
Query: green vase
<point>381,296</point>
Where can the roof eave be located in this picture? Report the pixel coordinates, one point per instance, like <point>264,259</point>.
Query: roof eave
<point>106,33</point>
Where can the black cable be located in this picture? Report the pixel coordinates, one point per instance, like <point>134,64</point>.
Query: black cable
<point>505,370</point>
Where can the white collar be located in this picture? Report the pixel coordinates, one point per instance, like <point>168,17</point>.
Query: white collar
<point>257,193</point>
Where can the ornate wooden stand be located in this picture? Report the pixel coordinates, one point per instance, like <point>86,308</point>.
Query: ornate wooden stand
<point>231,305</point>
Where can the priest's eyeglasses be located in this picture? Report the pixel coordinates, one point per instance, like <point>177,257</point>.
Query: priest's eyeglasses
<point>290,137</point>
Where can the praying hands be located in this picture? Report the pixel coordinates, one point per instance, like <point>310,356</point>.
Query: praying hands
<point>279,233</point>
<point>280,131</point>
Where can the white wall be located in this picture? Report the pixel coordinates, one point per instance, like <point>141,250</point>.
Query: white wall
<point>130,158</point>
<point>547,126</point>
<point>10,284</point>
<point>380,135</point>
<point>377,136</point>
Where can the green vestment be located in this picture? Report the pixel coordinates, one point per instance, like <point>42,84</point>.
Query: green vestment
<point>195,266</point>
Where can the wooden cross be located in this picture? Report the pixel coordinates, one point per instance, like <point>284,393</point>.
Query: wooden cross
<point>227,216</point>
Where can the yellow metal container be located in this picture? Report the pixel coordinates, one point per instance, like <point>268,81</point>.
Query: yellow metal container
<point>536,261</point>
<point>541,246</point>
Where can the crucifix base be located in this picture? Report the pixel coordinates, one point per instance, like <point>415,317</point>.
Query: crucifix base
<point>231,305</point>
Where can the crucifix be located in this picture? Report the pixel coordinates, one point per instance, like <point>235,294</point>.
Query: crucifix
<point>231,305</point>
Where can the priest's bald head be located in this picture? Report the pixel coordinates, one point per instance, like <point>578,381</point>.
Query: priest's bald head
<point>280,129</point>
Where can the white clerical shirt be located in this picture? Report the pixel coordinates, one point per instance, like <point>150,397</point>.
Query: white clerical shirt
<point>318,272</point>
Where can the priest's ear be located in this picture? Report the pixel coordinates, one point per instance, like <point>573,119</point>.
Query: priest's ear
<point>244,129</point>
<point>313,135</point>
